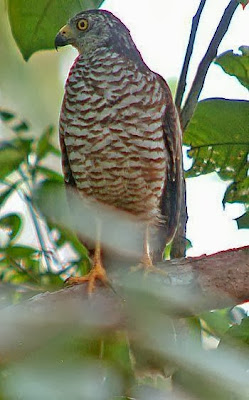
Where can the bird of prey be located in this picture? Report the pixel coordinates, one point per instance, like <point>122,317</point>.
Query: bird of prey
<point>119,130</point>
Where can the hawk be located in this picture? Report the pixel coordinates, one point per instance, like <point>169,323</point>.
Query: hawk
<point>119,130</point>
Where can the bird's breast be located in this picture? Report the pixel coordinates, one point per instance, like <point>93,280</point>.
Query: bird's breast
<point>111,124</point>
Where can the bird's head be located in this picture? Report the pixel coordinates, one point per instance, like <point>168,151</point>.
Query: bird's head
<point>92,29</point>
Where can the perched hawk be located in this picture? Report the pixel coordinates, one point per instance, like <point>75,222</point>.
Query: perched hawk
<point>119,130</point>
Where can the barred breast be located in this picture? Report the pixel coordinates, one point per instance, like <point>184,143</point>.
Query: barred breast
<point>111,126</point>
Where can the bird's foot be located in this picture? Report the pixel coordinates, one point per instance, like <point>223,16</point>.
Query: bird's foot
<point>97,273</point>
<point>147,266</point>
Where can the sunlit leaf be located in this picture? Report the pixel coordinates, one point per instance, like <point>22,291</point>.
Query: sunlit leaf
<point>218,135</point>
<point>35,23</point>
<point>236,65</point>
<point>13,222</point>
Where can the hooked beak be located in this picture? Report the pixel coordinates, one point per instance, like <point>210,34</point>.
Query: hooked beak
<point>63,37</point>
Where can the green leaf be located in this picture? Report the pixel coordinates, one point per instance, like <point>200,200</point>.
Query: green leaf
<point>12,222</point>
<point>244,3</point>
<point>219,138</point>
<point>6,116</point>
<point>6,193</point>
<point>17,125</point>
<point>243,221</point>
<point>35,23</point>
<point>10,159</point>
<point>50,174</point>
<point>238,192</point>
<point>12,154</point>
<point>43,144</point>
<point>218,322</point>
<point>236,65</point>
<point>238,335</point>
<point>19,251</point>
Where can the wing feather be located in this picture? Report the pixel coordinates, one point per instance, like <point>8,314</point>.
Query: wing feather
<point>172,193</point>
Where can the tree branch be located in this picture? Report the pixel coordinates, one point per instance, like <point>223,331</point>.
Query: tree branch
<point>188,287</point>
<point>183,77</point>
<point>193,96</point>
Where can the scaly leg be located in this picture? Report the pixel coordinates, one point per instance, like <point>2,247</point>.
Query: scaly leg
<point>97,271</point>
<point>146,262</point>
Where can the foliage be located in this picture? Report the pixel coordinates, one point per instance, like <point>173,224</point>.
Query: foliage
<point>218,135</point>
<point>219,139</point>
<point>23,167</point>
<point>36,30</point>
<point>67,353</point>
<point>236,65</point>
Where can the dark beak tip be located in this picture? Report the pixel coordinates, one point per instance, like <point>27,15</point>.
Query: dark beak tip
<point>60,41</point>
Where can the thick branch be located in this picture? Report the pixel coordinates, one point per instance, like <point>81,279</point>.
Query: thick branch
<point>193,96</point>
<point>189,286</point>
<point>183,77</point>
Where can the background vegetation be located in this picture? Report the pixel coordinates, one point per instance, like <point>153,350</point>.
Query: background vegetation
<point>218,140</point>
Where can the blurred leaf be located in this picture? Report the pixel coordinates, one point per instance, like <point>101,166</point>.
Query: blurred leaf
<point>219,138</point>
<point>238,335</point>
<point>43,144</point>
<point>50,174</point>
<point>12,222</point>
<point>235,65</point>
<point>16,125</point>
<point>66,235</point>
<point>51,280</point>
<point>12,154</point>
<point>243,221</point>
<point>4,195</point>
<point>10,159</point>
<point>23,145</point>
<point>35,23</point>
<point>78,213</point>
<point>19,251</point>
<point>54,150</point>
<point>218,322</point>
<point>6,115</point>
<point>19,127</point>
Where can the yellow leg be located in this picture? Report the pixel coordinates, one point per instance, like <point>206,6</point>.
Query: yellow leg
<point>146,262</point>
<point>97,271</point>
<point>146,259</point>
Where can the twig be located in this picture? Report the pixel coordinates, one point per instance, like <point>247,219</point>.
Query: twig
<point>35,221</point>
<point>183,77</point>
<point>193,96</point>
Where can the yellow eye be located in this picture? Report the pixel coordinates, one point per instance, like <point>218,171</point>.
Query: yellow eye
<point>82,24</point>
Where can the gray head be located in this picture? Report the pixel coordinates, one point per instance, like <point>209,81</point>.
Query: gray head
<point>93,29</point>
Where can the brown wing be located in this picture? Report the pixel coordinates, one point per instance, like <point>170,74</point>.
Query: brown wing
<point>172,192</point>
